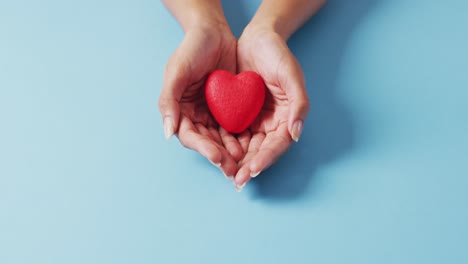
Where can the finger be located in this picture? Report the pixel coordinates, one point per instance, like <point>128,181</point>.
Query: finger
<point>231,144</point>
<point>244,140</point>
<point>204,131</point>
<point>216,136</point>
<point>169,109</point>
<point>274,145</point>
<point>227,165</point>
<point>190,138</point>
<point>254,146</point>
<point>293,82</point>
<point>243,175</point>
<point>299,107</point>
<point>175,81</point>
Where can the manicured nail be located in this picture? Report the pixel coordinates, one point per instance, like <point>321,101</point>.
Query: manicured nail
<point>228,177</point>
<point>168,128</point>
<point>239,187</point>
<point>254,174</point>
<point>297,130</point>
<point>218,165</point>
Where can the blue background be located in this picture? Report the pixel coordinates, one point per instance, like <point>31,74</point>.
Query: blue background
<point>379,176</point>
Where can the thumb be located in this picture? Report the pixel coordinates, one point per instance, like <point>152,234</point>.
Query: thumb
<point>298,101</point>
<point>299,107</point>
<point>175,81</point>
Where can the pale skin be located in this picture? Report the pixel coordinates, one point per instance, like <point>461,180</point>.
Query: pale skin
<point>209,45</point>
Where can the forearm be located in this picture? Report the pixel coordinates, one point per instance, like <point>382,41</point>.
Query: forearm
<point>191,13</point>
<point>285,16</point>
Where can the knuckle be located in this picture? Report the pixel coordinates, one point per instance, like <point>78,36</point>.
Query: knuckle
<point>183,142</point>
<point>176,68</point>
<point>163,105</point>
<point>163,102</point>
<point>303,105</point>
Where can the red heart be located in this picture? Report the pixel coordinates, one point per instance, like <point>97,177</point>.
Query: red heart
<point>234,100</point>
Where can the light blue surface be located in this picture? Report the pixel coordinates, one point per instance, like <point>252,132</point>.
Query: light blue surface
<point>379,176</point>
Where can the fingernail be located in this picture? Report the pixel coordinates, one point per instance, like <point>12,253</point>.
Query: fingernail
<point>297,130</point>
<point>239,187</point>
<point>228,177</point>
<point>254,174</point>
<point>168,128</point>
<point>218,165</point>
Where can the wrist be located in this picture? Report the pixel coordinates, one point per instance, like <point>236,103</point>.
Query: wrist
<point>200,22</point>
<point>271,24</point>
<point>193,14</point>
<point>210,32</point>
<point>256,32</point>
<point>284,17</point>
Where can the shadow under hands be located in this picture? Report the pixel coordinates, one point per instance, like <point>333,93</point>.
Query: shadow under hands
<point>328,131</point>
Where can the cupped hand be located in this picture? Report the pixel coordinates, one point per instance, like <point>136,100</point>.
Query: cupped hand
<point>182,104</point>
<point>286,105</point>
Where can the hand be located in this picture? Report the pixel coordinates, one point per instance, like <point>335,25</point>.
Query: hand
<point>205,48</point>
<point>286,105</point>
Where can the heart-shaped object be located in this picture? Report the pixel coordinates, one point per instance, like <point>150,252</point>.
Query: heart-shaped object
<point>234,100</point>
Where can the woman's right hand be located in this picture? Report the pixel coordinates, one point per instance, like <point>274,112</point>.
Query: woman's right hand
<point>206,47</point>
